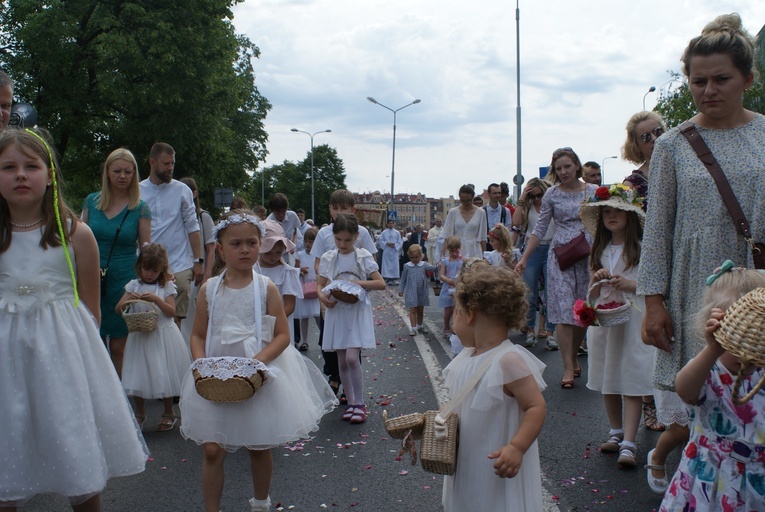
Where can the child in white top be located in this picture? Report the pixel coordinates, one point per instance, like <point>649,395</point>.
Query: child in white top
<point>66,425</point>
<point>502,245</point>
<point>499,421</point>
<point>271,264</point>
<point>306,308</point>
<point>291,401</point>
<point>154,362</point>
<point>415,287</point>
<point>620,364</point>
<point>349,327</point>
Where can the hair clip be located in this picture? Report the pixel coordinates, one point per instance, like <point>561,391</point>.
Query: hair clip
<point>727,266</point>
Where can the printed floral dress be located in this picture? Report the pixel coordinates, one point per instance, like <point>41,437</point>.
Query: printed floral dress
<point>723,465</point>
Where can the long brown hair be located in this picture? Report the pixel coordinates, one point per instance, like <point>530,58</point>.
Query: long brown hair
<point>633,238</point>
<point>38,144</point>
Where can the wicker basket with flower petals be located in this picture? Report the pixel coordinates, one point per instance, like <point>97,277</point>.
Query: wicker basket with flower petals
<point>740,334</point>
<point>140,321</point>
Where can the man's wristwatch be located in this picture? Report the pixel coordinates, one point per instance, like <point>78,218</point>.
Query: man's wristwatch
<point>201,261</point>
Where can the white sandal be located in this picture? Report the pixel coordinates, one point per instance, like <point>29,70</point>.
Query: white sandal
<point>657,485</point>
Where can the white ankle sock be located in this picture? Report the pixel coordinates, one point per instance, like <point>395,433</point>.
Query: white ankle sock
<point>615,431</point>
<point>628,444</point>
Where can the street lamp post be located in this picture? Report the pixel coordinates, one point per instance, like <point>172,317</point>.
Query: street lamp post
<point>603,166</point>
<point>313,208</point>
<point>650,90</point>
<point>393,162</point>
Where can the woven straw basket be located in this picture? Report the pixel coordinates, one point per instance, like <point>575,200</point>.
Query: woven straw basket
<point>398,427</point>
<point>611,317</point>
<point>741,334</point>
<point>141,321</point>
<point>344,296</point>
<point>439,456</point>
<point>233,389</point>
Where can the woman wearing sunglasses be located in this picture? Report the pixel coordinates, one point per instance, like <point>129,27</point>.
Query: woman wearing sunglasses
<point>561,203</point>
<point>643,129</point>
<point>524,221</point>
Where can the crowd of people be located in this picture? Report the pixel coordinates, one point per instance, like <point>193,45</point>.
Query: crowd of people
<point>636,268</point>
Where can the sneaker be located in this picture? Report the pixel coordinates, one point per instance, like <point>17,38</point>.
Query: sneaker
<point>627,456</point>
<point>423,330</point>
<point>612,445</point>
<point>531,340</point>
<point>413,332</point>
<point>582,351</point>
<point>552,343</point>
<point>260,505</point>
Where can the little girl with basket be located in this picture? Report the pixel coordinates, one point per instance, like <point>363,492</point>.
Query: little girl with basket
<point>240,315</point>
<point>345,275</point>
<point>66,423</point>
<point>723,464</point>
<point>503,411</point>
<point>308,307</point>
<point>620,365</point>
<point>156,359</point>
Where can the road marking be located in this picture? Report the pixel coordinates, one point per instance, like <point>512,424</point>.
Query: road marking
<point>439,385</point>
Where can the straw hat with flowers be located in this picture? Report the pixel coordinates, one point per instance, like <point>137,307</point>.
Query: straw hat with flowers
<point>617,196</point>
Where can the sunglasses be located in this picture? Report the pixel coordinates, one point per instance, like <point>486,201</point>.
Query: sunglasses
<point>646,137</point>
<point>535,196</point>
<point>560,151</point>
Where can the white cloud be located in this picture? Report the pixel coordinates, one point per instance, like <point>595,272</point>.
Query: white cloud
<point>585,67</point>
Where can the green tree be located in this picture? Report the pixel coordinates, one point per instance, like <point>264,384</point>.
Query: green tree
<point>294,180</point>
<point>105,74</point>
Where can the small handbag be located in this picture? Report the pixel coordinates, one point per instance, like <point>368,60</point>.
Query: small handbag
<point>689,131</point>
<point>309,290</point>
<point>572,252</point>
<point>105,270</point>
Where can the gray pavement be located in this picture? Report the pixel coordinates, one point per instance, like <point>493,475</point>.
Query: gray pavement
<point>357,468</point>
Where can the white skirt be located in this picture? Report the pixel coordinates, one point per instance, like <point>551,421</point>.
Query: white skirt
<point>307,308</point>
<point>155,362</point>
<point>288,407</point>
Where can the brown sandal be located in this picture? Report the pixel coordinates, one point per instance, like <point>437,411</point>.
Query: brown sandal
<point>650,422</point>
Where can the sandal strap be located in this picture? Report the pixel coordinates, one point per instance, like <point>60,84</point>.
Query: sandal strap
<point>655,466</point>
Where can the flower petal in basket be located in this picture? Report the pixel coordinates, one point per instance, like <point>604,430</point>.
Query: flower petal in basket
<point>346,291</point>
<point>612,316</point>
<point>399,426</point>
<point>228,379</point>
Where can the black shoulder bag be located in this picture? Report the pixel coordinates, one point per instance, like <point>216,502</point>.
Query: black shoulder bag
<point>105,270</point>
<point>690,132</point>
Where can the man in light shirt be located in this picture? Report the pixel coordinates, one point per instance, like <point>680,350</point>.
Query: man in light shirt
<point>496,213</point>
<point>6,99</point>
<point>591,173</point>
<point>174,223</point>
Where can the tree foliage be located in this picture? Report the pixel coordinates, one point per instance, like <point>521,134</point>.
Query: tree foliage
<point>109,73</point>
<point>294,180</point>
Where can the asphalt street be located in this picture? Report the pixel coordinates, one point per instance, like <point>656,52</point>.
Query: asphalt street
<point>358,468</point>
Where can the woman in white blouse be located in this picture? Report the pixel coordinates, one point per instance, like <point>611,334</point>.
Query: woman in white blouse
<point>468,223</point>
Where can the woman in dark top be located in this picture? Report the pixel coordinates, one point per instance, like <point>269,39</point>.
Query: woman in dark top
<point>643,129</point>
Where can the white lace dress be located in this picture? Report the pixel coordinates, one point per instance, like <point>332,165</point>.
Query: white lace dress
<point>488,420</point>
<point>287,280</point>
<point>288,406</point>
<point>65,423</point>
<point>156,361</point>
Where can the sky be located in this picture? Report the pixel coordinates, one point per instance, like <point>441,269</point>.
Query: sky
<point>585,68</point>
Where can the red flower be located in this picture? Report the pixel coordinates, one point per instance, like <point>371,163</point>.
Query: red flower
<point>690,451</point>
<point>726,379</point>
<point>587,317</point>
<point>602,193</point>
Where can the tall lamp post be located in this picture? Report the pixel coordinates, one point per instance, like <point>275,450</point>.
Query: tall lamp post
<point>603,166</point>
<point>393,164</point>
<point>313,208</point>
<point>650,90</point>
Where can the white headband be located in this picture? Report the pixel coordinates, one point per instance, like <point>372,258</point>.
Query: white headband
<point>238,219</point>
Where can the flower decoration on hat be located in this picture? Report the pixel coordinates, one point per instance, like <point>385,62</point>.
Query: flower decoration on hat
<point>617,191</point>
<point>616,196</point>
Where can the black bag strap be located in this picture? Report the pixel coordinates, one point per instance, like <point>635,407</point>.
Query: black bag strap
<point>689,131</point>
<point>116,234</point>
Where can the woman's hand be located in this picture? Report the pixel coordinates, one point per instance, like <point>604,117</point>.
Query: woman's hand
<point>657,324</point>
<point>521,265</point>
<point>525,193</point>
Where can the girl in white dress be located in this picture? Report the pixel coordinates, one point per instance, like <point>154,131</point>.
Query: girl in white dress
<point>236,313</point>
<point>620,365</point>
<point>503,253</point>
<point>271,264</point>
<point>66,423</point>
<point>348,328</point>
<point>499,421</point>
<point>154,362</point>
<point>306,309</point>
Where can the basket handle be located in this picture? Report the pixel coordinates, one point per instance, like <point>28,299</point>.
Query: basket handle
<point>740,380</point>
<point>132,301</point>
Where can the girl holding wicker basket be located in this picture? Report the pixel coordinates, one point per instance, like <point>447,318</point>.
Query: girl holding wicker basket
<point>156,356</point>
<point>345,275</point>
<point>620,365</point>
<point>66,424</point>
<point>723,464</point>
<point>241,326</point>
<point>501,416</point>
